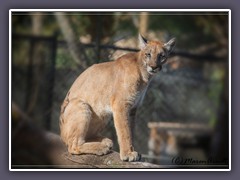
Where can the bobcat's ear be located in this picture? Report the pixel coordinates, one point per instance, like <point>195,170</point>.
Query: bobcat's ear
<point>169,45</point>
<point>142,41</point>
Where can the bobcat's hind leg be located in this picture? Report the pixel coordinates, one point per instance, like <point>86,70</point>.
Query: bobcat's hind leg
<point>77,117</point>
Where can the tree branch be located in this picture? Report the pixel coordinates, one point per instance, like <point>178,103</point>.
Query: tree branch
<point>79,57</point>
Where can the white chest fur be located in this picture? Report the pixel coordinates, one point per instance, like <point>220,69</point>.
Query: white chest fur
<point>139,97</point>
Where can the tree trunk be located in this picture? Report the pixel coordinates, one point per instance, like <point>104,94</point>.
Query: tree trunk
<point>76,51</point>
<point>220,141</point>
<point>143,22</point>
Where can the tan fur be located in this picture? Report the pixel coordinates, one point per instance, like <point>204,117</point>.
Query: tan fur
<point>102,91</point>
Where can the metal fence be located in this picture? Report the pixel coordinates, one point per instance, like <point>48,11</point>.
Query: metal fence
<point>176,94</point>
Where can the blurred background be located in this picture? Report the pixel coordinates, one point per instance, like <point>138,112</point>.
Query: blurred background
<point>185,111</point>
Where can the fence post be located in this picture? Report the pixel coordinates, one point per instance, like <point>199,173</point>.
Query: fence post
<point>51,77</point>
<point>98,38</point>
<point>29,74</point>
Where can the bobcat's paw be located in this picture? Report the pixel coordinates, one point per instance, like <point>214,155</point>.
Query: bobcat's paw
<point>131,156</point>
<point>103,150</point>
<point>107,142</point>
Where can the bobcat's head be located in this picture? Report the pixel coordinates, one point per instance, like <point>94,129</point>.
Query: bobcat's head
<point>154,53</point>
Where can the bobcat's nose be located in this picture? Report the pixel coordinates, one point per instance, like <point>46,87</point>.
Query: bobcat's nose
<point>154,67</point>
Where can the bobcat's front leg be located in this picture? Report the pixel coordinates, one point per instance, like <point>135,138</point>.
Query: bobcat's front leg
<point>122,125</point>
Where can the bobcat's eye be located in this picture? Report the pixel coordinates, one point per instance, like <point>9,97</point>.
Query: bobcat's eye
<point>148,55</point>
<point>161,56</point>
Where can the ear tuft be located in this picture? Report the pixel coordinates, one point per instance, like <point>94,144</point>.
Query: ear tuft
<point>142,41</point>
<point>170,45</point>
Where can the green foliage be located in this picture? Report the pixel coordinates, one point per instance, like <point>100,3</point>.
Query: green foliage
<point>124,23</point>
<point>184,27</point>
<point>50,25</point>
<point>21,23</point>
<point>63,60</point>
<point>214,93</point>
<point>20,53</point>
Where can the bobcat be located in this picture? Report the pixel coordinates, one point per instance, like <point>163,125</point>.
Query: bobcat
<point>110,89</point>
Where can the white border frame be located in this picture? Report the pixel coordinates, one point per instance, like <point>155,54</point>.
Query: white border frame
<point>115,10</point>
